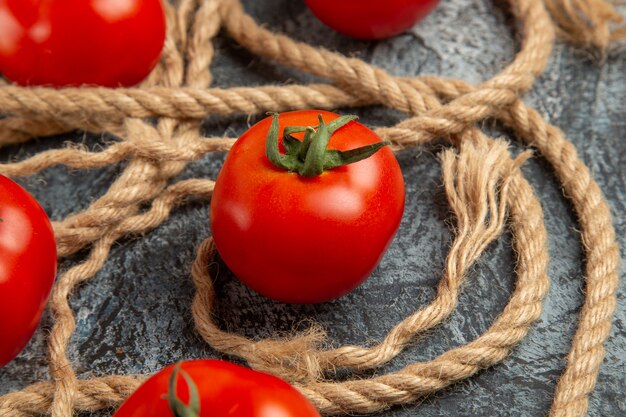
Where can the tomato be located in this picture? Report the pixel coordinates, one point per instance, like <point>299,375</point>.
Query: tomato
<point>305,239</point>
<point>218,389</point>
<point>371,19</point>
<point>28,264</point>
<point>72,42</point>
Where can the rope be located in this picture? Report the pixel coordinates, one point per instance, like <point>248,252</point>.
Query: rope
<point>484,186</point>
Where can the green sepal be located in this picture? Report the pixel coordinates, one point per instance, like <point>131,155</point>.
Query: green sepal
<point>290,130</point>
<point>314,160</point>
<point>177,407</point>
<point>306,143</point>
<point>335,158</point>
<point>310,157</point>
<point>286,162</point>
<point>292,145</point>
<point>341,121</point>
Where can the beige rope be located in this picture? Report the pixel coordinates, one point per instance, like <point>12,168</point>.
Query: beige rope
<point>142,180</point>
<point>480,180</point>
<point>587,21</point>
<point>92,395</point>
<point>470,179</point>
<point>184,103</point>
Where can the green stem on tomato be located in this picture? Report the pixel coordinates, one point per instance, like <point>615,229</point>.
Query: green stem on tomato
<point>179,408</point>
<point>306,143</point>
<point>314,160</point>
<point>271,148</point>
<point>310,157</point>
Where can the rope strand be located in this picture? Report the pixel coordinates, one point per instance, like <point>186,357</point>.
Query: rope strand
<point>484,188</point>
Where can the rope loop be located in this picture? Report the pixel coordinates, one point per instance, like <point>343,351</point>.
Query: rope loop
<point>157,130</point>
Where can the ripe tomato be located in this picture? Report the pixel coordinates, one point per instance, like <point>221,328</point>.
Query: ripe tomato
<point>302,239</point>
<point>371,19</point>
<point>213,388</point>
<point>28,264</point>
<point>72,42</point>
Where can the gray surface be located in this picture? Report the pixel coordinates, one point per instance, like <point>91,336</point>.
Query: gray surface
<point>135,315</point>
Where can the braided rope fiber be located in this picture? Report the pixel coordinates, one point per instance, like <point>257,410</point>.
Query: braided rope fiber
<point>484,186</point>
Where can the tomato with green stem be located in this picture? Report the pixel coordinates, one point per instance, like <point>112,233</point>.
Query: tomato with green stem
<point>28,264</point>
<point>305,205</point>
<point>110,43</point>
<point>371,19</point>
<point>213,388</point>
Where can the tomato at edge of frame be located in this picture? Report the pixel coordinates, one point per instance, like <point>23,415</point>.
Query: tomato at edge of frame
<point>225,390</point>
<point>28,264</point>
<point>78,42</point>
<point>305,240</point>
<point>371,19</point>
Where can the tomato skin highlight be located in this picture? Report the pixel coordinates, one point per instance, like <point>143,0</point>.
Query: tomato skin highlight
<point>110,43</point>
<point>225,389</point>
<point>371,19</point>
<point>305,240</point>
<point>28,265</point>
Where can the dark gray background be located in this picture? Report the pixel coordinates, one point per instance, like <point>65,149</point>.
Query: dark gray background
<point>134,316</point>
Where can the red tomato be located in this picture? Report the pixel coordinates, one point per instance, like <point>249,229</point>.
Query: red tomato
<point>305,239</point>
<point>223,390</point>
<point>28,264</point>
<point>371,19</point>
<point>72,42</point>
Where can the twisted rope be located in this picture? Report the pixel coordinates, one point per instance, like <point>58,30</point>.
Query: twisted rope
<point>482,183</point>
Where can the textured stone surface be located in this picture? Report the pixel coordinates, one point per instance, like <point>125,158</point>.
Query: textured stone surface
<point>134,316</point>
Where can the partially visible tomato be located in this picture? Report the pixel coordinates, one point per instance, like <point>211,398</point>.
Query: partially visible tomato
<point>213,388</point>
<point>28,264</point>
<point>371,19</point>
<point>298,238</point>
<point>110,43</point>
